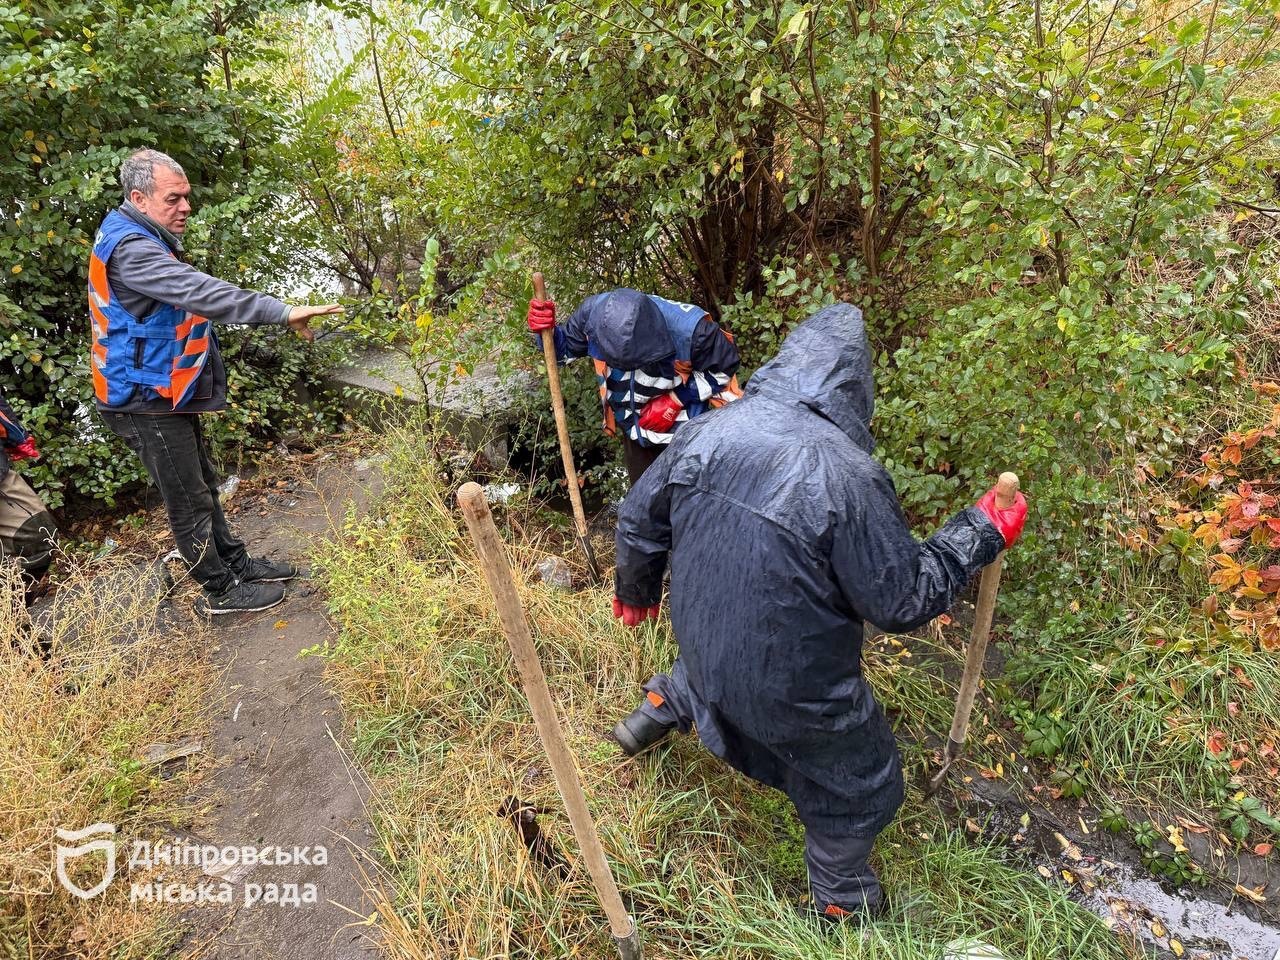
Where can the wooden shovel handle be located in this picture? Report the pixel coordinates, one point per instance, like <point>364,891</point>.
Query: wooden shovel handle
<point>983,612</point>
<point>502,584</point>
<point>562,431</point>
<point>1006,489</point>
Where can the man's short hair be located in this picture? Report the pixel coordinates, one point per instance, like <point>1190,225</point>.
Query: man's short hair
<point>138,171</point>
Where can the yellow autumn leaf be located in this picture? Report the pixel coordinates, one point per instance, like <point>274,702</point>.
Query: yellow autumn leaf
<point>1157,928</point>
<point>1175,838</point>
<point>1176,947</point>
<point>1069,849</point>
<point>1255,894</point>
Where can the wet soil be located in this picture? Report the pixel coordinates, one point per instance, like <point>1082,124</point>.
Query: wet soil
<point>281,775</point>
<point>1064,842</point>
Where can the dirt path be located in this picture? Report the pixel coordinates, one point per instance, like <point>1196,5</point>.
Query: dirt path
<point>281,780</point>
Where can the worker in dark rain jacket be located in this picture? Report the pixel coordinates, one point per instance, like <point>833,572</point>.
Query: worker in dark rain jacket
<point>789,538</point>
<point>659,364</point>
<point>28,534</point>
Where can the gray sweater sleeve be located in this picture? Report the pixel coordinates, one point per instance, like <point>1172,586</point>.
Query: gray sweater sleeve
<point>149,272</point>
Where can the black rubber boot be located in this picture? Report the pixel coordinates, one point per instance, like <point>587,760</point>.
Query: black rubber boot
<point>638,731</point>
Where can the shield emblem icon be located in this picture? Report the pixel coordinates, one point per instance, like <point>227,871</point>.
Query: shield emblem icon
<point>103,832</point>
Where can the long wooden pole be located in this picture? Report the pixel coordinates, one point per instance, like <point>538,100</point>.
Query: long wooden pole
<point>984,610</point>
<point>497,572</point>
<point>566,451</point>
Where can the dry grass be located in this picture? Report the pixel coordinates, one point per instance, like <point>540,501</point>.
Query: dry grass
<point>709,861</point>
<point>75,724</point>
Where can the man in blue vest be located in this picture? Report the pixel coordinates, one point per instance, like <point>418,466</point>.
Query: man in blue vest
<point>659,364</point>
<point>156,365</point>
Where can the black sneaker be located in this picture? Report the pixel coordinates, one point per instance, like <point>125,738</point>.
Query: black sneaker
<point>638,731</point>
<point>241,598</point>
<point>262,570</point>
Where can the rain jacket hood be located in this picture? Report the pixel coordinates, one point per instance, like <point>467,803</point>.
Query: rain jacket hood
<point>628,330</point>
<point>784,536</point>
<point>825,363</point>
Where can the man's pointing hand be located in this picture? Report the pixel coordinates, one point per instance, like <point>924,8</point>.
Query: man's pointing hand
<point>298,317</point>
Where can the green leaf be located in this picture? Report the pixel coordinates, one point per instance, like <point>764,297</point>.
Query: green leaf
<point>1191,32</point>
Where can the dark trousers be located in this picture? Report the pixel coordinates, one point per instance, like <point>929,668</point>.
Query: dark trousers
<point>173,450</point>
<point>637,458</point>
<point>840,873</point>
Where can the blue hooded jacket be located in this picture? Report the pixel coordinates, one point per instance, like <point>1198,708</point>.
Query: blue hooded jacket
<point>784,536</point>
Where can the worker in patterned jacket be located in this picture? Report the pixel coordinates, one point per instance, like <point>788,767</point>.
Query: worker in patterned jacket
<point>28,534</point>
<point>156,366</point>
<point>659,364</point>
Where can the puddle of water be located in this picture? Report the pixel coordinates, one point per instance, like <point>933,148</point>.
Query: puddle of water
<point>1205,930</point>
<point>1129,900</point>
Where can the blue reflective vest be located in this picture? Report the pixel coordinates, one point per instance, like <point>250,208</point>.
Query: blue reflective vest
<point>161,354</point>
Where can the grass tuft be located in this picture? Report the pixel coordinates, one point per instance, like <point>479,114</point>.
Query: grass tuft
<point>75,723</point>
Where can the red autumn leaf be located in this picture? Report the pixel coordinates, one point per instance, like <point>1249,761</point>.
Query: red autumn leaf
<point>1250,509</point>
<point>1233,708</point>
<point>1262,849</point>
<point>1230,545</point>
<point>1216,742</point>
<point>1237,764</point>
<point>1245,489</point>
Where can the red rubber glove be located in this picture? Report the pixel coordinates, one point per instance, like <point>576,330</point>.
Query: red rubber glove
<point>542,315</point>
<point>26,450</point>
<point>1008,521</point>
<point>634,616</point>
<point>659,414</point>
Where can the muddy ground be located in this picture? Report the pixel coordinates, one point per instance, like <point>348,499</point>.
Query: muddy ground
<point>273,769</point>
<point>283,775</point>
<point>1064,841</point>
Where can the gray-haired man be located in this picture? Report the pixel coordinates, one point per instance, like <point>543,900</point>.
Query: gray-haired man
<point>156,364</point>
